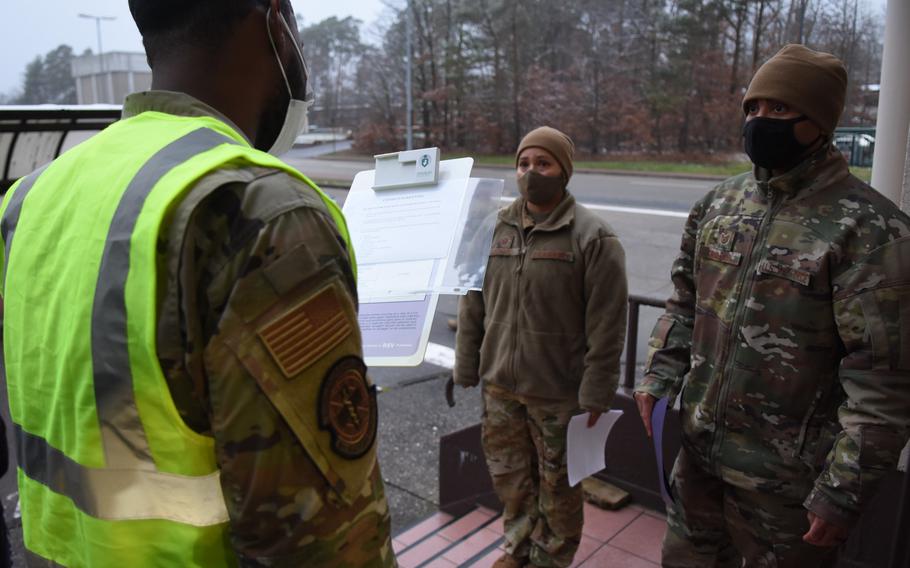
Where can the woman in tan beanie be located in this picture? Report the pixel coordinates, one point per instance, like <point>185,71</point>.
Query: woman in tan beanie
<point>544,336</point>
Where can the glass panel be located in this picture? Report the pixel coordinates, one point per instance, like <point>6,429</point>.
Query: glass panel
<point>33,149</point>
<point>467,265</point>
<point>76,137</point>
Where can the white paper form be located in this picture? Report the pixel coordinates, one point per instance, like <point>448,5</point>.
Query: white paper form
<point>403,238</point>
<point>586,446</point>
<point>394,281</point>
<point>397,225</point>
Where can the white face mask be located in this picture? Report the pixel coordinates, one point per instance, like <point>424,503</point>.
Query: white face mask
<point>295,119</point>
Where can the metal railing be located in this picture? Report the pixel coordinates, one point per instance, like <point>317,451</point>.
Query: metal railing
<point>635,303</point>
<point>36,134</point>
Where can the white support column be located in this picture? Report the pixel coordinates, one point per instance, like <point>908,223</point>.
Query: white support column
<point>109,95</point>
<point>891,131</point>
<point>905,195</point>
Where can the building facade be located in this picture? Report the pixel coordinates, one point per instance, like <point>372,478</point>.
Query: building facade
<point>108,78</point>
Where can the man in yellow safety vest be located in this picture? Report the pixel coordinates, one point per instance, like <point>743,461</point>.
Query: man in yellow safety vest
<point>180,322</point>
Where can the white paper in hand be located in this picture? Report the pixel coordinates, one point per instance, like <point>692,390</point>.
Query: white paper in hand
<point>586,446</point>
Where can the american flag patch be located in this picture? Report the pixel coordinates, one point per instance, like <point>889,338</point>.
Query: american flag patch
<point>301,336</point>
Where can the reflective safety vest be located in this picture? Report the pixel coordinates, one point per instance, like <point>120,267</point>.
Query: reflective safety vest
<point>109,474</point>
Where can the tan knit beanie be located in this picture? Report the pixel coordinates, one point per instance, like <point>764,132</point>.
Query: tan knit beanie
<point>554,142</point>
<point>811,82</point>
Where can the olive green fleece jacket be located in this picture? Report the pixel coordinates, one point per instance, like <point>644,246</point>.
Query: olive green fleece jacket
<point>551,319</point>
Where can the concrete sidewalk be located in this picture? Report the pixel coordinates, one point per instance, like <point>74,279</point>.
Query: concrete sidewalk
<point>629,538</point>
<point>412,419</point>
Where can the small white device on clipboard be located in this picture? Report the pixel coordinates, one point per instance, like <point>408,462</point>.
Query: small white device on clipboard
<point>411,168</point>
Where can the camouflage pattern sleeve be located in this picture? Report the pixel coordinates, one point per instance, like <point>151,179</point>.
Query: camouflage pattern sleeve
<point>606,305</point>
<point>670,345</point>
<point>287,397</point>
<point>468,339</point>
<point>872,312</point>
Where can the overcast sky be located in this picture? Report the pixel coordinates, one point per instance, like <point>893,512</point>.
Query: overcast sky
<point>28,28</point>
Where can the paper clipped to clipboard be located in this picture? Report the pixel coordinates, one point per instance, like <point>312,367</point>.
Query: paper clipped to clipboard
<point>419,228</point>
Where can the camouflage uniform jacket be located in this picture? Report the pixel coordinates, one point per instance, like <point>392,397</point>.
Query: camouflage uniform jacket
<point>247,247</point>
<point>789,335</point>
<point>551,318</point>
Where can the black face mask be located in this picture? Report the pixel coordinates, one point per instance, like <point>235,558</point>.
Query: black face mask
<point>771,144</point>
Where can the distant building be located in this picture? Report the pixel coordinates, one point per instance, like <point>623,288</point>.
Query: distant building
<point>108,78</point>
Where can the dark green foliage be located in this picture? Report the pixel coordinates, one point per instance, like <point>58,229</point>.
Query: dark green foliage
<point>49,79</point>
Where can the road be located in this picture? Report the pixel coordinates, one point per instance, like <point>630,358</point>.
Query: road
<point>657,193</point>
<point>315,150</point>
<point>646,212</point>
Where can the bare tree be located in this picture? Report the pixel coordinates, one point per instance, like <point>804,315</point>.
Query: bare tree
<point>618,75</point>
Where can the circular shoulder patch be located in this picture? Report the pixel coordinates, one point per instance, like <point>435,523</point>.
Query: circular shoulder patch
<point>347,408</point>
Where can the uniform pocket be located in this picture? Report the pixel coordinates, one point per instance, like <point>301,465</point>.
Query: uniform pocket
<point>658,339</point>
<point>804,426</point>
<point>504,243</point>
<point>798,254</point>
<point>661,332</point>
<point>724,242</point>
<point>552,361</point>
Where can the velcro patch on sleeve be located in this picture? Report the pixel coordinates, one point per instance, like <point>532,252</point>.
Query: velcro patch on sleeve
<point>301,336</point>
<point>347,408</point>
